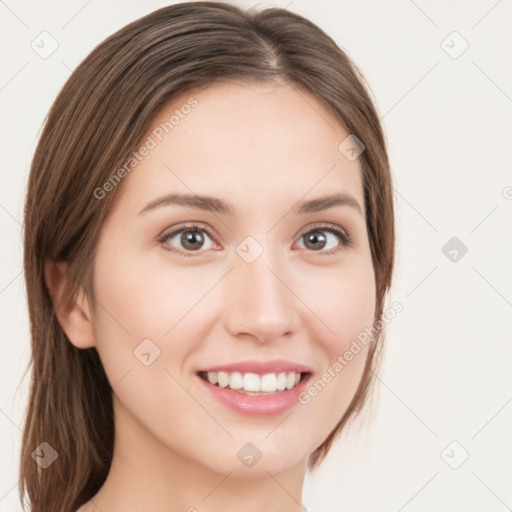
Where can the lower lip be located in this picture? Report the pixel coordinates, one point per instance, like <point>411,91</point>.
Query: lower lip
<point>260,405</point>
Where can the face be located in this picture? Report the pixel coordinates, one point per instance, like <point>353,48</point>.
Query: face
<point>253,287</point>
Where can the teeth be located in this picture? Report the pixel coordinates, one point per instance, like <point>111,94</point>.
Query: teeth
<point>236,381</point>
<point>252,382</point>
<point>269,382</point>
<point>281,381</point>
<point>223,379</point>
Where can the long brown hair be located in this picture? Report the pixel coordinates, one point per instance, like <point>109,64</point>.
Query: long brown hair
<point>95,123</point>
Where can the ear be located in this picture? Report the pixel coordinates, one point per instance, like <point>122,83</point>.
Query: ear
<point>73,313</point>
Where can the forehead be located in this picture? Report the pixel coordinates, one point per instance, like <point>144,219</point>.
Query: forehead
<point>252,141</point>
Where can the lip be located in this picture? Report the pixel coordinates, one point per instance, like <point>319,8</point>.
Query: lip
<point>257,405</point>
<point>259,367</point>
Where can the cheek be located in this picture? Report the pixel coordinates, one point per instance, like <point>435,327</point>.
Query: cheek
<point>136,299</point>
<point>343,302</point>
<point>128,310</point>
<point>345,305</point>
<point>144,298</point>
<point>347,309</point>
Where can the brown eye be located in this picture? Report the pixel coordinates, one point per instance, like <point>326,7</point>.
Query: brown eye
<point>325,237</point>
<point>315,240</point>
<point>192,239</point>
<point>187,240</point>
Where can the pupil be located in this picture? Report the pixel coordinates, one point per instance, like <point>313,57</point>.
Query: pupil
<point>315,238</point>
<point>191,237</point>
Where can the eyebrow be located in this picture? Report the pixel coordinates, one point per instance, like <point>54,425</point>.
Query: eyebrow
<point>213,204</point>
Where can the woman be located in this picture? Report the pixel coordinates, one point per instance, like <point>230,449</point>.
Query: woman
<point>209,242</point>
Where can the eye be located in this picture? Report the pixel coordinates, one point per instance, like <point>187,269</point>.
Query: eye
<point>317,240</point>
<point>191,238</point>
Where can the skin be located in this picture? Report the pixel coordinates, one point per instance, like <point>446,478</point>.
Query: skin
<point>263,148</point>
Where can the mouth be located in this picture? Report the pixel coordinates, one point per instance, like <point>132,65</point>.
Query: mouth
<point>254,384</point>
<point>256,388</point>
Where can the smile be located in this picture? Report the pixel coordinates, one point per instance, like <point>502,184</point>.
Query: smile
<point>252,383</point>
<point>256,388</point>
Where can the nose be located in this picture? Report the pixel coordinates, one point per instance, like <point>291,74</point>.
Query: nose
<point>260,304</point>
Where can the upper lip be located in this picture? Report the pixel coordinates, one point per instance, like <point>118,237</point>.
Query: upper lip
<point>259,367</point>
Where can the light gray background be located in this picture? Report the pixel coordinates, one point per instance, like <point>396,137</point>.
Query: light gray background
<point>448,124</point>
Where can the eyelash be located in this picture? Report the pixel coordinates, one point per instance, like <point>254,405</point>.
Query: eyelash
<point>346,240</point>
